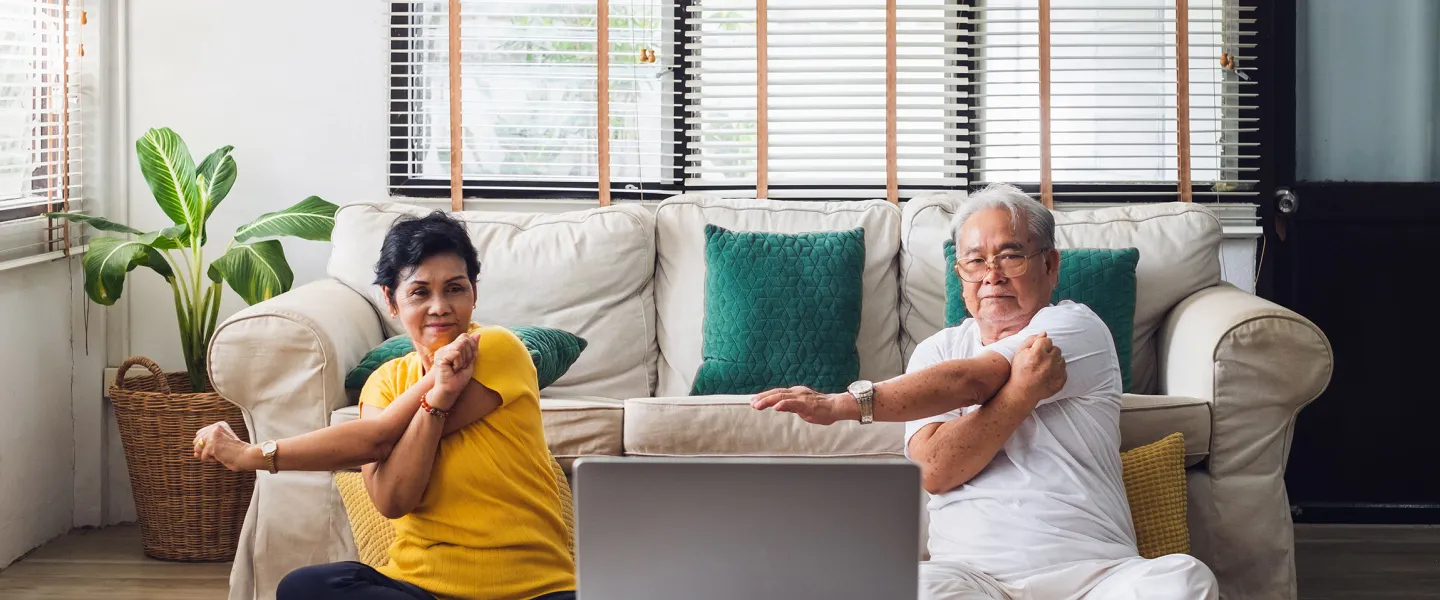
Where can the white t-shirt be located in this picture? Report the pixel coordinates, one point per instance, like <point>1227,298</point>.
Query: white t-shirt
<point>1054,493</point>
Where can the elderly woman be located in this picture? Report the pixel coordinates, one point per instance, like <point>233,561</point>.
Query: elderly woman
<point>450,439</point>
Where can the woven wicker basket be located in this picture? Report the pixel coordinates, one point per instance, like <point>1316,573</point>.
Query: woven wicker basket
<point>189,510</point>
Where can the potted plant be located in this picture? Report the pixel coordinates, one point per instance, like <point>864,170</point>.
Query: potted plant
<point>189,510</point>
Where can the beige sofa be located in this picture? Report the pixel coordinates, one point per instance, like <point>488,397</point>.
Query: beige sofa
<point>1226,368</point>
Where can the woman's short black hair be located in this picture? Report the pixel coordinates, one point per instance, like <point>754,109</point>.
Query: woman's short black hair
<point>411,240</point>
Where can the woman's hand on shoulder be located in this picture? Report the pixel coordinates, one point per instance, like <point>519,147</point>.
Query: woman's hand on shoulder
<point>454,367</point>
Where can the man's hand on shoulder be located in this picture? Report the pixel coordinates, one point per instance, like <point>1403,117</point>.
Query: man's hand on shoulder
<point>1038,368</point>
<point>811,406</point>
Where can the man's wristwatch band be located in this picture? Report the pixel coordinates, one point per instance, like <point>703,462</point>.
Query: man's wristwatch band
<point>864,393</point>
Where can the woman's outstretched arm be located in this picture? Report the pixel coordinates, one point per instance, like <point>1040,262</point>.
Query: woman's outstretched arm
<point>345,445</point>
<point>341,446</point>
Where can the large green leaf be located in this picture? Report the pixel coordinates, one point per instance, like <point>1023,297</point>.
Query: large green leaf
<point>311,219</point>
<point>108,260</point>
<point>256,271</point>
<point>100,223</point>
<point>169,238</point>
<point>219,172</point>
<point>168,168</point>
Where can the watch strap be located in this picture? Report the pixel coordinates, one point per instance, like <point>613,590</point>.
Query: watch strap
<point>270,455</point>
<point>866,400</point>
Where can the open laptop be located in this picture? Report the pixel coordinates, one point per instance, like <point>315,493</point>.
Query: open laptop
<point>746,529</point>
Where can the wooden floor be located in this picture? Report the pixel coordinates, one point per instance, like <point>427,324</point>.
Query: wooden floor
<point>108,564</point>
<point>1351,562</point>
<point>1379,562</point>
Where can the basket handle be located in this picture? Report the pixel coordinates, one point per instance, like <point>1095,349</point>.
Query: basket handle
<point>148,364</point>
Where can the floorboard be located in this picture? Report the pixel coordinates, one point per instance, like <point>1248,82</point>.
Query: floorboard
<point>1334,562</point>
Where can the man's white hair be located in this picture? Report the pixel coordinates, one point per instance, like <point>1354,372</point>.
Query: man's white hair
<point>1038,220</point>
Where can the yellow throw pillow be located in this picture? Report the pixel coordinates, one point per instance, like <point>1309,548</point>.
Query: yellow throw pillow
<point>373,532</point>
<point>1155,485</point>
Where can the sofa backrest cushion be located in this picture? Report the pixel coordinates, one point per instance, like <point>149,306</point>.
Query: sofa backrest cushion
<point>588,272</point>
<point>680,274</point>
<point>1179,246</point>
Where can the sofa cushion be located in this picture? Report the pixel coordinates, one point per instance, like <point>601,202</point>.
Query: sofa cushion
<point>780,310</point>
<point>1154,477</point>
<point>574,427</point>
<point>727,426</point>
<point>680,274</point>
<point>1146,419</point>
<point>1179,246</point>
<point>587,272</point>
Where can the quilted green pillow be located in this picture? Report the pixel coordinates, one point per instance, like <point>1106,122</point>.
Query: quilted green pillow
<point>1102,279</point>
<point>552,351</point>
<point>780,310</point>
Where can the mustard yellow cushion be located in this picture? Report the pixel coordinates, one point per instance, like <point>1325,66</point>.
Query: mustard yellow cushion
<point>1155,485</point>
<point>373,532</point>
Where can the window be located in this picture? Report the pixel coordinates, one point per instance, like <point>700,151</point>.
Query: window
<point>39,126</point>
<point>827,98</point>
<point>966,97</point>
<point>1113,101</point>
<point>529,97</point>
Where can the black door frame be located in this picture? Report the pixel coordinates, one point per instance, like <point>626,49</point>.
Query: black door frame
<point>1275,73</point>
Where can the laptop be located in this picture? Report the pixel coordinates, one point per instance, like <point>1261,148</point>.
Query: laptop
<point>746,529</point>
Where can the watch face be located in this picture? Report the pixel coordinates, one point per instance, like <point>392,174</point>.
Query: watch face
<point>859,387</point>
<point>268,447</point>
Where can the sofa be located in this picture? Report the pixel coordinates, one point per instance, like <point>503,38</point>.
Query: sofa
<point>1227,369</point>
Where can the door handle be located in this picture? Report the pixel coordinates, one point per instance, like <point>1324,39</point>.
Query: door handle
<point>1286,201</point>
<point>1286,205</point>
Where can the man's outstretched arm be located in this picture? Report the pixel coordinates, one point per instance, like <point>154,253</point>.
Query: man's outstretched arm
<point>941,387</point>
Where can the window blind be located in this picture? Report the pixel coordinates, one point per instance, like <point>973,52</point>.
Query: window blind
<point>529,97</point>
<point>817,99</point>
<point>825,97</point>
<point>1114,120</point>
<point>40,127</point>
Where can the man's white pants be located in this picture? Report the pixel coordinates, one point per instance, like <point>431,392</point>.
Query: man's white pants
<point>1173,577</point>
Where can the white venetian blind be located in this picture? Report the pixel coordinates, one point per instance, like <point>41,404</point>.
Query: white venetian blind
<point>1113,96</point>
<point>40,127</point>
<point>529,91</point>
<point>825,97</point>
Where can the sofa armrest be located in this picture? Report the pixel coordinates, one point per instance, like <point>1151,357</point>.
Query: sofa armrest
<point>1258,364</point>
<point>283,361</point>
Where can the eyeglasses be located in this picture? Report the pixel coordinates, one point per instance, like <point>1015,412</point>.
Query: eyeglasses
<point>1007,264</point>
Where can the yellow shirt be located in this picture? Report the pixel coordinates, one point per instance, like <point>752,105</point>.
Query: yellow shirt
<point>489,526</point>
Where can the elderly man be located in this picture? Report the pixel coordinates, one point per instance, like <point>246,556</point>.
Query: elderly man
<point>1014,419</point>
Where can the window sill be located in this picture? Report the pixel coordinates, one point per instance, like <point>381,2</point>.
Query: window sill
<point>20,263</point>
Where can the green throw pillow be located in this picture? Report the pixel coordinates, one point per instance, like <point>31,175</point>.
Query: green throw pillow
<point>1102,279</point>
<point>552,351</point>
<point>780,310</point>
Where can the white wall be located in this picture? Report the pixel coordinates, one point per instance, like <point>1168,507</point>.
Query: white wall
<point>36,447</point>
<point>299,88</point>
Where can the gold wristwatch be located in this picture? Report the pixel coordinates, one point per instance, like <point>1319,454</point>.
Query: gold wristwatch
<point>268,448</point>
